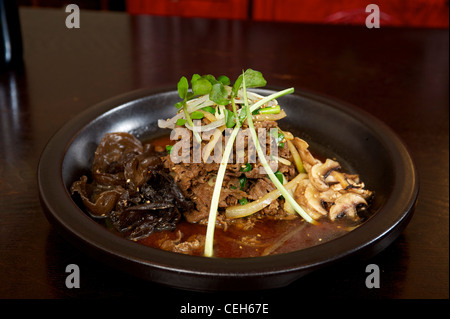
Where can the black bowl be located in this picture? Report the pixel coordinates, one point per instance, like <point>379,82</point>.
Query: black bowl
<point>359,141</point>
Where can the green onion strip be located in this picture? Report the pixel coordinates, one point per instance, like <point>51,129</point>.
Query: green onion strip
<point>266,166</point>
<point>209,240</point>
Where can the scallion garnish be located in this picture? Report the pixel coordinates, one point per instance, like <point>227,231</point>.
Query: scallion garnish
<point>256,80</point>
<point>246,168</point>
<point>242,182</point>
<point>279,176</point>
<point>270,110</point>
<point>243,201</point>
<point>266,166</point>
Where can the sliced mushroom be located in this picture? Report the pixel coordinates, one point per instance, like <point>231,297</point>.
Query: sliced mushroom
<point>320,171</point>
<point>347,205</point>
<point>330,195</point>
<point>314,200</point>
<point>337,177</point>
<point>302,147</point>
<point>365,193</point>
<point>300,197</point>
<point>352,178</point>
<point>354,185</point>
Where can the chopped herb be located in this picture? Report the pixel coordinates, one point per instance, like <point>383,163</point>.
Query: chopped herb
<point>270,110</point>
<point>242,182</point>
<point>169,148</point>
<point>279,137</point>
<point>279,176</point>
<point>246,168</point>
<point>243,201</point>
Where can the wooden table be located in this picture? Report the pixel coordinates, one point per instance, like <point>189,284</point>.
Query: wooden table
<point>398,75</point>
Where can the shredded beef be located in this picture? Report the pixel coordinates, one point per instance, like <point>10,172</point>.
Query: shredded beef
<point>197,181</point>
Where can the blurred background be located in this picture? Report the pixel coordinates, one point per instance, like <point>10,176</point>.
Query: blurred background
<point>402,13</point>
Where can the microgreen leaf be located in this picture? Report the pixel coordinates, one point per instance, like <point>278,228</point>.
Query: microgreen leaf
<point>190,95</point>
<point>230,120</point>
<point>197,115</point>
<point>201,86</point>
<point>219,94</point>
<point>209,109</point>
<point>181,122</point>
<point>237,85</point>
<point>242,115</point>
<point>224,80</point>
<point>194,78</point>
<point>254,79</point>
<point>210,78</point>
<point>183,87</point>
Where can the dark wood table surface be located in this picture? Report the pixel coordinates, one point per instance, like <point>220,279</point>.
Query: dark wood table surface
<point>401,76</point>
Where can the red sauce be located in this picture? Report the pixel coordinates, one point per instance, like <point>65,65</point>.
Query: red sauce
<point>267,237</point>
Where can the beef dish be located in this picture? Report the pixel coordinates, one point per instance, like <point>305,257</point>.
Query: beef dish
<point>141,193</point>
<point>332,127</point>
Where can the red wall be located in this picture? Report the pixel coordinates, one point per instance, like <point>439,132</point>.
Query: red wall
<point>230,9</point>
<point>413,13</point>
